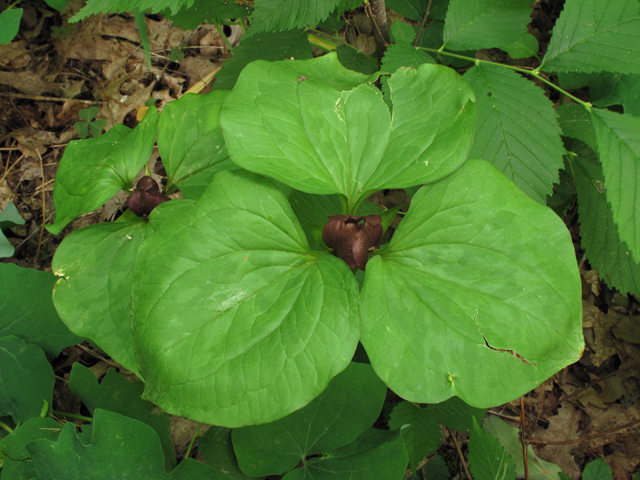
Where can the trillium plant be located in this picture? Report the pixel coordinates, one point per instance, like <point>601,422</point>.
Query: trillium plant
<point>237,304</point>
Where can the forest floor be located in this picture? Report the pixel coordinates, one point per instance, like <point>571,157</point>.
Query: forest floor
<point>54,70</point>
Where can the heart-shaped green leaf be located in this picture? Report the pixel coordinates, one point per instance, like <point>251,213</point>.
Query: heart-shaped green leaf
<point>190,142</point>
<point>92,171</point>
<point>235,320</point>
<point>475,271</point>
<point>323,129</point>
<point>349,405</point>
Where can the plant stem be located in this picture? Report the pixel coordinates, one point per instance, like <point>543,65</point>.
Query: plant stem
<point>72,415</point>
<point>534,73</point>
<point>193,439</point>
<point>6,427</point>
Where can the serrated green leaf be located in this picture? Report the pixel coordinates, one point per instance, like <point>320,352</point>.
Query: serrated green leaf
<point>456,414</point>
<point>402,32</point>
<point>618,137</point>
<point>231,327</point>
<point>92,171</point>
<point>419,429</point>
<point>9,24</point>
<point>117,395</point>
<point>216,448</point>
<point>436,469</point>
<point>509,438</point>
<point>415,9</point>
<point>28,312</point>
<point>349,406</point>
<point>432,37</point>
<point>355,60</point>
<point>404,55</point>
<point>598,231</point>
<point>456,269</point>
<point>94,7</point>
<point>17,464</point>
<point>488,460</point>
<point>121,447</point>
<point>374,455</point>
<point>485,23</point>
<point>597,470</point>
<point>190,18</point>
<point>616,89</point>
<point>274,129</point>
<point>274,15</point>
<point>524,47</point>
<point>190,141</point>
<point>575,122</point>
<point>26,379</point>
<point>269,46</point>
<point>516,130</point>
<point>595,36</point>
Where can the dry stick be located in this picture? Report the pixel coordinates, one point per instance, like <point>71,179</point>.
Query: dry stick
<point>40,98</point>
<point>44,206</point>
<point>99,357</point>
<point>8,168</point>
<point>464,464</point>
<point>32,233</point>
<point>424,22</point>
<point>525,453</point>
<point>584,439</point>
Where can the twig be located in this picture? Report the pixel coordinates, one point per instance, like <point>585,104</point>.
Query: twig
<point>584,439</point>
<point>72,415</point>
<point>193,439</point>
<point>381,43</point>
<point>462,460</point>
<point>98,356</point>
<point>424,22</point>
<point>40,98</point>
<point>32,233</point>
<point>523,430</point>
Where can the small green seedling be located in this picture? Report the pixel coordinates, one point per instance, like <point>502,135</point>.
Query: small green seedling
<point>88,124</point>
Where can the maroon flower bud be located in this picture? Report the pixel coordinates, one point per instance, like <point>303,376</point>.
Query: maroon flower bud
<point>146,197</point>
<point>350,239</point>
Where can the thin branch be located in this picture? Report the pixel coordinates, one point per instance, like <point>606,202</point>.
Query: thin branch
<point>424,22</point>
<point>462,460</point>
<point>525,453</point>
<point>40,98</point>
<point>584,439</point>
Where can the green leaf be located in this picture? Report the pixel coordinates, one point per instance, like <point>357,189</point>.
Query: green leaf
<point>595,36</point>
<point>355,60</point>
<point>524,47</point>
<point>349,406</point>
<point>374,455</point>
<point>271,122</point>
<point>483,269</point>
<point>618,137</point>
<point>17,464</point>
<point>231,325</point>
<point>117,395</point>
<point>273,15</point>
<point>202,10</point>
<point>509,438</point>
<point>597,470</point>
<point>436,468</point>
<point>488,460</point>
<point>415,9</point>
<point>517,130</point>
<point>97,126</point>
<point>432,37</point>
<point>598,231</point>
<point>190,141</point>
<point>419,429</point>
<point>485,23</point>
<point>83,129</point>
<point>269,46</point>
<point>88,114</point>
<point>404,55</point>
<point>94,7</point>
<point>57,4</point>
<point>402,32</point>
<point>120,447</point>
<point>456,414</point>
<point>615,89</point>
<point>26,379</point>
<point>92,171</point>
<point>575,122</point>
<point>8,218</point>
<point>28,311</point>
<point>9,24</point>
<point>216,448</point>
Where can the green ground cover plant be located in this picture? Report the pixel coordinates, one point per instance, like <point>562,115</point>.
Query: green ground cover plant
<point>260,300</point>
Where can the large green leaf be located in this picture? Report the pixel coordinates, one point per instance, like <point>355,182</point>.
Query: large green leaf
<point>272,15</point>
<point>190,17</point>
<point>93,170</point>
<point>488,459</point>
<point>475,270</point>
<point>117,395</point>
<point>120,447</point>
<point>232,320</point>
<point>26,379</point>
<point>349,405</point>
<point>575,122</point>
<point>517,129</point>
<point>93,295</point>
<point>190,142</point>
<point>598,231</point>
<point>94,7</point>
<point>374,455</point>
<point>216,448</point>
<point>322,129</point>
<point>28,312</point>
<point>485,23</point>
<point>618,137</point>
<point>595,36</point>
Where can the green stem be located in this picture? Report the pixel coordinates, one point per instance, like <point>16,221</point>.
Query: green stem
<point>193,439</point>
<point>72,415</point>
<point>534,73</point>
<point>6,427</point>
<point>13,4</point>
<point>224,37</point>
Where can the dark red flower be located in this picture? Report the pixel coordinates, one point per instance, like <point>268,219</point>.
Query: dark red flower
<point>351,237</point>
<point>146,197</point>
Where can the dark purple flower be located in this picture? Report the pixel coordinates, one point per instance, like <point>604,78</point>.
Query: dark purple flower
<point>146,197</point>
<point>351,237</point>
